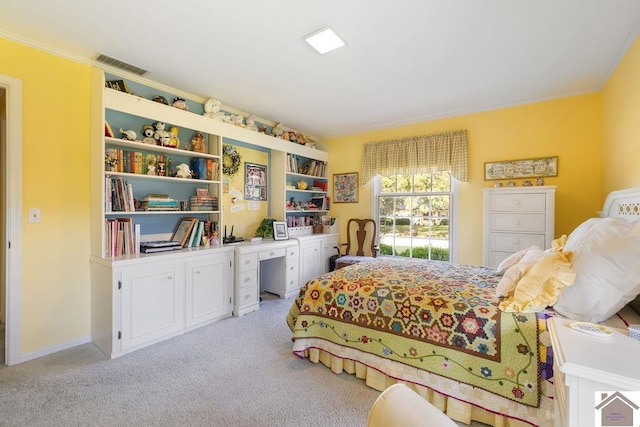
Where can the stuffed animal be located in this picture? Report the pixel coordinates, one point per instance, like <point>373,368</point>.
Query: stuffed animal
<point>147,133</point>
<point>277,130</point>
<point>198,143</point>
<point>128,135</point>
<point>183,171</point>
<point>212,110</point>
<point>161,135</point>
<point>173,132</point>
<point>180,104</point>
<point>251,123</point>
<point>237,120</point>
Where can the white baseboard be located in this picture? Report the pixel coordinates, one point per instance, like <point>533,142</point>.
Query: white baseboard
<point>56,348</point>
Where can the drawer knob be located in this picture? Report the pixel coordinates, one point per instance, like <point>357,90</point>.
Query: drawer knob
<point>291,268</point>
<point>516,202</point>
<point>516,221</point>
<point>516,241</point>
<point>170,277</point>
<point>271,254</point>
<point>246,279</point>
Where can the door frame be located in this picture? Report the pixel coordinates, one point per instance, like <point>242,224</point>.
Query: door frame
<point>12,205</point>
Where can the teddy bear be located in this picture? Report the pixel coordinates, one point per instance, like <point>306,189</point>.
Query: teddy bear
<point>237,120</point>
<point>183,171</point>
<point>251,123</point>
<point>147,135</point>
<point>198,143</point>
<point>161,136</point>
<point>212,110</point>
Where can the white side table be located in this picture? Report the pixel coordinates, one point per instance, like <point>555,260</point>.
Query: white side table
<point>584,365</point>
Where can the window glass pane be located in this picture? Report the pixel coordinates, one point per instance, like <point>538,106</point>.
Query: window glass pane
<point>442,182</point>
<point>388,184</point>
<point>422,183</point>
<point>404,184</point>
<point>386,206</point>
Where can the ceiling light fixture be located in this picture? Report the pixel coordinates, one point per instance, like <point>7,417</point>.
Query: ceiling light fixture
<point>324,40</point>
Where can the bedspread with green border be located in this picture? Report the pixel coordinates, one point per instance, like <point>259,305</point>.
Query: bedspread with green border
<point>432,315</point>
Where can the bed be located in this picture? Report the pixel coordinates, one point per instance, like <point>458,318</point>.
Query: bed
<point>442,329</point>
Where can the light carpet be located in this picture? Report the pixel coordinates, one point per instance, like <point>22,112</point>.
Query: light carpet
<point>235,372</point>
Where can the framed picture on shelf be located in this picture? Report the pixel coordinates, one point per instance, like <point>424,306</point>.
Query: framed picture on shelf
<point>280,231</point>
<point>255,182</point>
<point>345,187</point>
<point>183,230</point>
<point>319,203</point>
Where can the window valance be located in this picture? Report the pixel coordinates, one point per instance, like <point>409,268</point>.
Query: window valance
<point>446,151</point>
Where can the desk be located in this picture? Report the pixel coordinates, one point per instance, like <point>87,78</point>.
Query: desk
<point>268,265</point>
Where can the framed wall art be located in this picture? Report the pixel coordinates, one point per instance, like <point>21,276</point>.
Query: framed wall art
<point>526,168</point>
<point>255,182</point>
<point>345,187</point>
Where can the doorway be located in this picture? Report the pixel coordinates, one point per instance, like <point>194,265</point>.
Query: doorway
<point>11,218</point>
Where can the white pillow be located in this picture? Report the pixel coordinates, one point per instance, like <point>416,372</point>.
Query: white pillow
<point>515,258</point>
<point>606,261</point>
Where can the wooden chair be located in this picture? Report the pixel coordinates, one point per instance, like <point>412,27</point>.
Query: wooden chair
<point>361,243</point>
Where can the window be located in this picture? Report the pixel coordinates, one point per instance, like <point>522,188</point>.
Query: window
<point>414,215</point>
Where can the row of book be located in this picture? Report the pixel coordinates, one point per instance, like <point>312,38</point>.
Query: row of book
<point>190,233</point>
<point>136,162</point>
<point>312,167</point>
<point>123,237</point>
<point>119,195</point>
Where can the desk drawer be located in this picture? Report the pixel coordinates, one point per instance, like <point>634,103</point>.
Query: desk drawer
<point>248,295</point>
<point>272,253</point>
<point>249,262</point>
<point>532,223</point>
<point>293,253</point>
<point>513,242</point>
<point>291,276</point>
<point>249,278</point>
<point>518,203</point>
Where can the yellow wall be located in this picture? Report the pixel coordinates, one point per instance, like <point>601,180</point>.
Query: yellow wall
<point>570,128</point>
<point>55,290</point>
<point>621,153</point>
<point>55,178</point>
<point>245,221</point>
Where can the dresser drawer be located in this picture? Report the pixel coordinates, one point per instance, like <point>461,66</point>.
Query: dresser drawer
<point>518,222</point>
<point>272,253</point>
<point>249,278</point>
<point>513,242</point>
<point>518,203</point>
<point>249,262</point>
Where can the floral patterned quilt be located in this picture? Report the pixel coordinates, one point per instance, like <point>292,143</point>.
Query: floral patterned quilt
<point>432,315</point>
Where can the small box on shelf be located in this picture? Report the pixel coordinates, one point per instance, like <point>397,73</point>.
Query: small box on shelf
<point>300,231</point>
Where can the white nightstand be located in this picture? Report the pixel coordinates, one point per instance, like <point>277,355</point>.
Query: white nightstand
<point>584,364</point>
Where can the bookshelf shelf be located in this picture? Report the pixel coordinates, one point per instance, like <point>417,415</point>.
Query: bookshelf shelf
<point>160,178</point>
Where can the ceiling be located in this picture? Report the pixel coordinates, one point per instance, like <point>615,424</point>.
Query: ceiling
<point>405,61</point>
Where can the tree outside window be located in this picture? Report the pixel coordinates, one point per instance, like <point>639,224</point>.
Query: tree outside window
<point>414,215</point>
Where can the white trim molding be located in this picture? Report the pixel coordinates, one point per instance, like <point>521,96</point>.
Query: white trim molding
<point>13,219</point>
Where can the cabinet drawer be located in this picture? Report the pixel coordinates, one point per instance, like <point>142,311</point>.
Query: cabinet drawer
<point>248,295</point>
<point>272,253</point>
<point>248,278</point>
<point>533,223</point>
<point>293,253</point>
<point>291,276</point>
<point>249,262</point>
<point>518,203</point>
<point>513,242</point>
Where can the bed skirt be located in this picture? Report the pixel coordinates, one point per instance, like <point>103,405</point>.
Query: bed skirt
<point>460,402</point>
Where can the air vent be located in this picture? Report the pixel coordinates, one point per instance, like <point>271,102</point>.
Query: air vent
<point>116,63</point>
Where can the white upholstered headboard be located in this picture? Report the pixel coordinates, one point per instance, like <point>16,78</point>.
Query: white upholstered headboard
<point>623,203</point>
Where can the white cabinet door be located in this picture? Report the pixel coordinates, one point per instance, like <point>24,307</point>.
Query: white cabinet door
<point>208,288</point>
<point>311,264</point>
<point>329,244</point>
<point>152,302</point>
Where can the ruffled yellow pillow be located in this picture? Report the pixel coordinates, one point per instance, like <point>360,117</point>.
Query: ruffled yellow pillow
<point>541,284</point>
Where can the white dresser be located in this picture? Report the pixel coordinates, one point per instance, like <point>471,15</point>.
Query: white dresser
<point>516,218</point>
<point>584,366</point>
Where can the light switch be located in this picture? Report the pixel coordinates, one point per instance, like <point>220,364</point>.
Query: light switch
<point>35,215</point>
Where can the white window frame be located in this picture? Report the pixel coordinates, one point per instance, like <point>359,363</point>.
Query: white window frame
<point>376,187</point>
